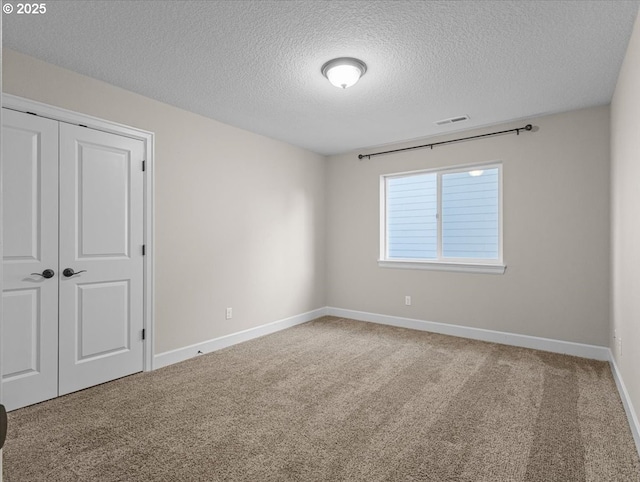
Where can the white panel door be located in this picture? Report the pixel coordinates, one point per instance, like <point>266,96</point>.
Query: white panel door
<point>30,236</point>
<point>101,237</point>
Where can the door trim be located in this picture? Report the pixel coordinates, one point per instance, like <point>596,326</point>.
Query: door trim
<point>22,104</point>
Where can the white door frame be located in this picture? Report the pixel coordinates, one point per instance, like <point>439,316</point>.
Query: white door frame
<point>1,277</point>
<point>148,138</point>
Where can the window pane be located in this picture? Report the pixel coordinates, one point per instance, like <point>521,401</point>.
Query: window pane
<point>411,217</point>
<point>470,214</point>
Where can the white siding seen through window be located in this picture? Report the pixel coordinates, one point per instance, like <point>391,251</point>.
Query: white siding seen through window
<point>470,214</point>
<point>412,216</point>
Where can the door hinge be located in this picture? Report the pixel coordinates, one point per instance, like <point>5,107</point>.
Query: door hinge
<point>144,166</point>
<point>144,333</point>
<point>144,250</point>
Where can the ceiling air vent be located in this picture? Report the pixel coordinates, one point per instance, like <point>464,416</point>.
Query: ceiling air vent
<point>452,120</point>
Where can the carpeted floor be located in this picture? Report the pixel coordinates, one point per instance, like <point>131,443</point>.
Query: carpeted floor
<point>337,400</point>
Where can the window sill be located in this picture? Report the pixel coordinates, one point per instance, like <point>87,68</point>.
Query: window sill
<point>444,266</point>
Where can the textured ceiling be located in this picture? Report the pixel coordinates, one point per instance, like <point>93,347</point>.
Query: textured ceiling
<point>256,64</point>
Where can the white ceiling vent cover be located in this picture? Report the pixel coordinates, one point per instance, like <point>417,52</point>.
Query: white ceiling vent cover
<point>452,120</point>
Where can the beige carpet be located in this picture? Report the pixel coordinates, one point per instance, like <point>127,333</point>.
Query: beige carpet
<point>336,400</point>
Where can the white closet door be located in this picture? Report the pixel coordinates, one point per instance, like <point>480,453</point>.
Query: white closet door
<point>30,236</point>
<point>101,237</point>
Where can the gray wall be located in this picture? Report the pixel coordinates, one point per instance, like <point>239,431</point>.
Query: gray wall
<point>625,217</point>
<point>239,217</point>
<point>556,234</point>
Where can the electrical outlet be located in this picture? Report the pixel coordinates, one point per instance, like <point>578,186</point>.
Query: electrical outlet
<point>229,313</point>
<point>407,300</point>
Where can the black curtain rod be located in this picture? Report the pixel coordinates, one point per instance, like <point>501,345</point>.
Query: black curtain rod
<point>517,130</point>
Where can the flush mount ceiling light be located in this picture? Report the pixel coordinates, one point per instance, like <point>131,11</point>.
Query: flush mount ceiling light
<point>344,72</point>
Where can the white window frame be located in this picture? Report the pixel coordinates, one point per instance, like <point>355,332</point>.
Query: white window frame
<point>488,266</point>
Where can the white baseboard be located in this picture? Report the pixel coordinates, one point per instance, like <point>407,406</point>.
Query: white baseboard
<point>174,356</point>
<point>545,344</point>
<point>626,401</point>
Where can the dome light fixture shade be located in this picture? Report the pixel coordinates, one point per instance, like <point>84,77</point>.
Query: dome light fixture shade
<point>344,71</point>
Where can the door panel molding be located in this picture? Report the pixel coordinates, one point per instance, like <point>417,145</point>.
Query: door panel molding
<point>95,240</point>
<point>94,340</point>
<point>21,104</point>
<point>23,243</point>
<point>23,353</point>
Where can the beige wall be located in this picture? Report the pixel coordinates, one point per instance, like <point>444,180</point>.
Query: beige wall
<point>556,234</point>
<point>239,217</point>
<point>240,221</point>
<point>625,218</point>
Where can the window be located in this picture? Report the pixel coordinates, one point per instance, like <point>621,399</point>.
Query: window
<point>446,219</point>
